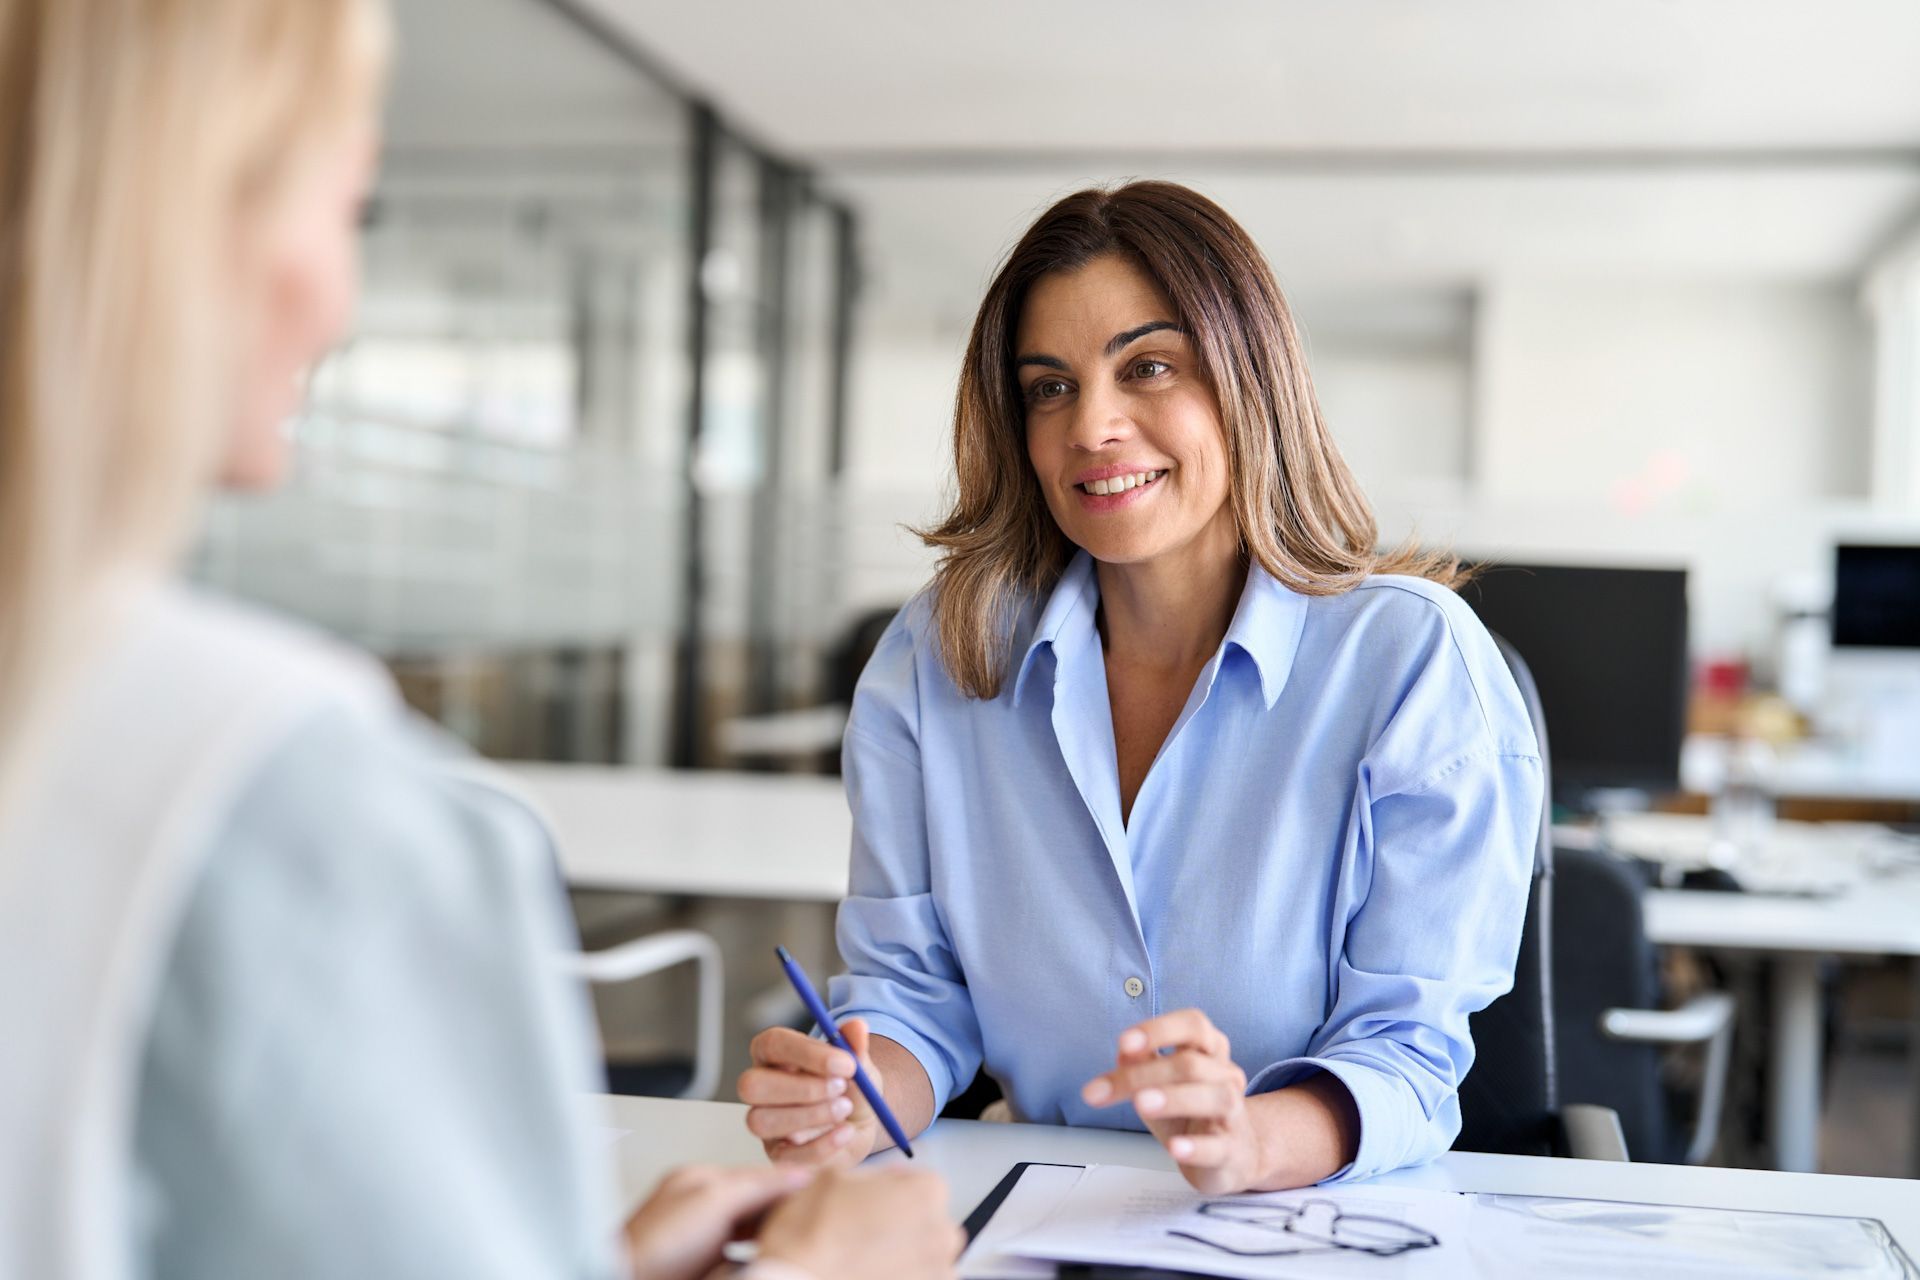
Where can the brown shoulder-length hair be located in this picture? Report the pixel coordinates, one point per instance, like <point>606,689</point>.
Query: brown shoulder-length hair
<point>1301,516</point>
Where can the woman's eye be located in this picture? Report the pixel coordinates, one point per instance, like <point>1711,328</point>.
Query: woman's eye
<point>1047,389</point>
<point>1149,368</point>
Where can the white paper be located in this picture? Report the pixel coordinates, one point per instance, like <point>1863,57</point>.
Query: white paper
<point>1136,1217</point>
<point>1517,1235</point>
<point>1141,1218</point>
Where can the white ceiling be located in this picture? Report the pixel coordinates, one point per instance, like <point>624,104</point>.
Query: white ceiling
<point>937,239</point>
<point>1009,74</point>
<point>1368,144</point>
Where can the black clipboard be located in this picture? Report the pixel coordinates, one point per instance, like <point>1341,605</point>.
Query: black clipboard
<point>990,1204</point>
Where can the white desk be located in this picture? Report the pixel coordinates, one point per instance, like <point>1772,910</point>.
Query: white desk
<point>974,1156</point>
<point>1810,770</point>
<point>726,835</point>
<point>808,733</point>
<point>1878,918</point>
<point>1823,771</point>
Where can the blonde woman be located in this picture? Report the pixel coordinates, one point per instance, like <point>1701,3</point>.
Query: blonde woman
<point>1176,804</point>
<point>275,996</point>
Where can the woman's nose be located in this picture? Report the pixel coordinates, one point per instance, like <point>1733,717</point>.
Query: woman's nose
<point>1099,419</point>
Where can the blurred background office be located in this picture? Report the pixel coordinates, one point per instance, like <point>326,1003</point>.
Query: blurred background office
<point>665,306</point>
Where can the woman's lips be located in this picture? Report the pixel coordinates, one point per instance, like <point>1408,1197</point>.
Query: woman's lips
<point>1143,484</point>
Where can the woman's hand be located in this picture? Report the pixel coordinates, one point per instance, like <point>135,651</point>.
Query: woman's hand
<point>878,1224</point>
<point>1192,1097</point>
<point>801,1100</point>
<point>679,1232</point>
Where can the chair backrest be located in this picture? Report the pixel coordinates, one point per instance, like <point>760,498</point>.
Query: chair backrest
<point>1510,1100</point>
<point>850,655</point>
<point>1603,961</point>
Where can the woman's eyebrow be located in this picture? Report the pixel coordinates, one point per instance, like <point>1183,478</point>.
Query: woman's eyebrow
<point>1120,340</point>
<point>1114,345</point>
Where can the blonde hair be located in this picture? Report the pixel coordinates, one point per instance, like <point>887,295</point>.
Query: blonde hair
<point>1300,513</point>
<point>136,136</point>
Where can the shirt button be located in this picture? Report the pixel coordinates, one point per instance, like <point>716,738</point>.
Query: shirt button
<point>1134,988</point>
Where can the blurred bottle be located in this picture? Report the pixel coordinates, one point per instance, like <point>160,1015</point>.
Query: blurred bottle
<point>1742,810</point>
<point>1802,601</point>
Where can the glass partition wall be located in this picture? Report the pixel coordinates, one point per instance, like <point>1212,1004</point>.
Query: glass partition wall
<point>571,475</point>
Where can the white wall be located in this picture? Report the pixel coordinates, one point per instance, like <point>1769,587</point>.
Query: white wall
<point>1720,426</point>
<point>1717,396</point>
<point>904,375</point>
<point>1401,418</point>
<point>1892,295</point>
<point>899,452</point>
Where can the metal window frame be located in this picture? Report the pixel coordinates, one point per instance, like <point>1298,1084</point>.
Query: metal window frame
<point>793,186</point>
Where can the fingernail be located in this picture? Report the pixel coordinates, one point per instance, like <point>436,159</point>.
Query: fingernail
<point>1150,1100</point>
<point>835,1086</point>
<point>842,1108</point>
<point>1133,1041</point>
<point>842,1065</point>
<point>1097,1091</point>
<point>1180,1148</point>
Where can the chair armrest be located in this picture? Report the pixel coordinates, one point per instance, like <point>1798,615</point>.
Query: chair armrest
<point>1705,1016</point>
<point>1705,1019</point>
<point>627,960</point>
<point>1593,1133</point>
<point>651,954</point>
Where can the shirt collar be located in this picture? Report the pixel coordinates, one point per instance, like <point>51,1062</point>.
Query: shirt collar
<point>1266,625</point>
<point>1066,624</point>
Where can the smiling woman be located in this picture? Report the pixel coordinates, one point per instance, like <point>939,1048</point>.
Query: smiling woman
<point>1176,804</point>
<point>1200,302</point>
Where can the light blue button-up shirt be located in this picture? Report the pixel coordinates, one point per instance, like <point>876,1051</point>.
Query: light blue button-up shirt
<point>1330,855</point>
<point>363,1059</point>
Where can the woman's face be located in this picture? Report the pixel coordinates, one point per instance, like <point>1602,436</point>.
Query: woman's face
<point>1123,430</point>
<point>299,277</point>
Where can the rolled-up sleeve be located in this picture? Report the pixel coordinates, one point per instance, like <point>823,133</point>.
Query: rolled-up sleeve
<point>902,974</point>
<point>1446,863</point>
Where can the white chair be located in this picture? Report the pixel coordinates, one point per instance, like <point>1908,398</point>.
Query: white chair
<point>638,958</point>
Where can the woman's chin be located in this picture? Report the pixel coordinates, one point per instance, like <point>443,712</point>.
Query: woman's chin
<point>1123,550</point>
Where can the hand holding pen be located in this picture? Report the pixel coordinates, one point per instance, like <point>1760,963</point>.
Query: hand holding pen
<point>801,1100</point>
<point>810,1101</point>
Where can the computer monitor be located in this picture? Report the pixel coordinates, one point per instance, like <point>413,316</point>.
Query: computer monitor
<point>1876,597</point>
<point>1608,650</point>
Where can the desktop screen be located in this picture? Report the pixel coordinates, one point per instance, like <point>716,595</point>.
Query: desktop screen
<point>1608,650</point>
<point>1876,597</point>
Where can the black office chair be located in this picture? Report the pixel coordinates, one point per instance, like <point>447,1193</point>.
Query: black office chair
<point>851,654</point>
<point>1510,1100</point>
<point>1577,988</point>
<point>849,658</point>
<point>1612,1033</point>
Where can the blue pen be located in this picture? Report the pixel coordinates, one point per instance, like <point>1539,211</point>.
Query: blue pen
<point>818,1008</point>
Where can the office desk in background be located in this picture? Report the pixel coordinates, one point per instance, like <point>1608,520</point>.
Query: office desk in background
<point>1877,918</point>
<point>1859,899</point>
<point>973,1156</point>
<point>704,833</point>
<point>1810,770</point>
